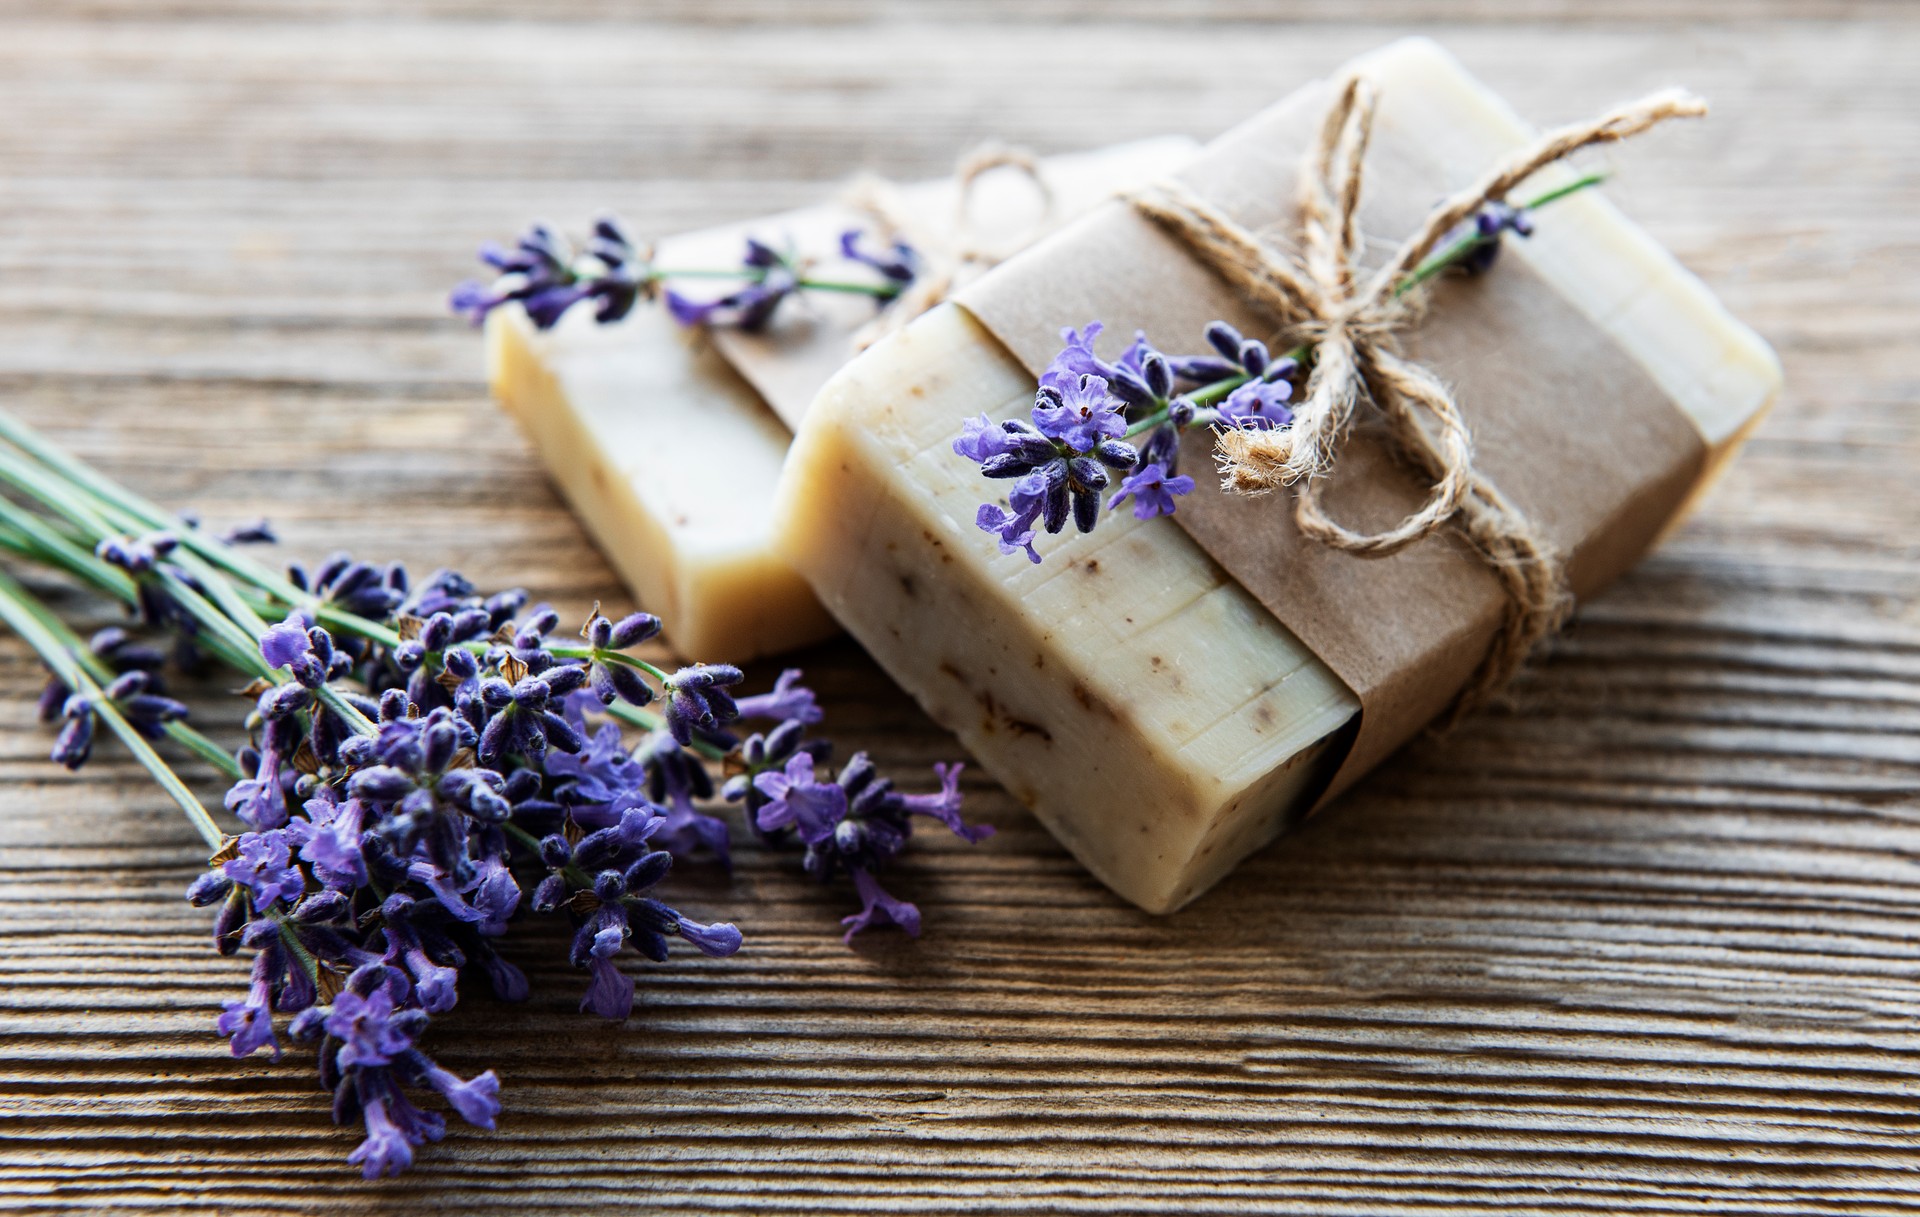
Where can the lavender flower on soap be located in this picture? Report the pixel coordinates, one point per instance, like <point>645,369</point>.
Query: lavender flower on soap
<point>1093,420</point>
<point>545,275</point>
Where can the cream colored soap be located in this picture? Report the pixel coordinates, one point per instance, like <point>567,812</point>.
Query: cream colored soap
<point>670,458</point>
<point>1160,721</point>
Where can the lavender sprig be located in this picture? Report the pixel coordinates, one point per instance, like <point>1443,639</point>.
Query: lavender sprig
<point>1089,415</point>
<point>418,758</point>
<point>546,276</point>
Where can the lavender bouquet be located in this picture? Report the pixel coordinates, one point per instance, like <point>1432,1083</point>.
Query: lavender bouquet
<point>418,758</point>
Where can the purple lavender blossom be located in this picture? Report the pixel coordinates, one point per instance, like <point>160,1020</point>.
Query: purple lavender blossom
<point>789,699</point>
<point>898,262</point>
<point>545,276</point>
<point>697,699</point>
<point>74,744</point>
<point>1259,404</point>
<point>1078,414</point>
<point>264,866</point>
<point>858,823</point>
<point>1152,492</point>
<point>1488,225</point>
<point>771,277</point>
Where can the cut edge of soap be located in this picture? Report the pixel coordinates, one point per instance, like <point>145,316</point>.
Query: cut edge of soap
<point>727,608</point>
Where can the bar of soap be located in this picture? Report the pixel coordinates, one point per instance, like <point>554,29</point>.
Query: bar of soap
<point>670,457</point>
<point>1153,715</point>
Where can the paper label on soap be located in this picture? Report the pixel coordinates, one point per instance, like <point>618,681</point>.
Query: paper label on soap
<point>1567,424</point>
<point>810,339</point>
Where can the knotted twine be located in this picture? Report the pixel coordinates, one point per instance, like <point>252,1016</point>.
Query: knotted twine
<point>947,257</point>
<point>1322,296</point>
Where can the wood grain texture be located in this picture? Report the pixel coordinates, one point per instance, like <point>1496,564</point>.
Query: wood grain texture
<point>1642,941</point>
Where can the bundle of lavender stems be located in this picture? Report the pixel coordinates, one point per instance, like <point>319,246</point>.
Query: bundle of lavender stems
<point>423,766</point>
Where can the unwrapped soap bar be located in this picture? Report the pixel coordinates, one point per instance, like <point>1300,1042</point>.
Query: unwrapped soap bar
<point>1148,708</point>
<point>668,443</point>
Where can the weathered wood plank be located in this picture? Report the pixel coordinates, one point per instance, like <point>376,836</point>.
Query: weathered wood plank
<point>1643,940</point>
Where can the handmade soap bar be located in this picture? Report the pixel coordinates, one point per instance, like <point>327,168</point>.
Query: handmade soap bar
<point>1153,714</point>
<point>669,454</point>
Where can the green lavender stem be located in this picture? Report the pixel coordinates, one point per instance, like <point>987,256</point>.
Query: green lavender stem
<point>71,643</point>
<point>1457,251</point>
<point>17,609</point>
<point>63,485</point>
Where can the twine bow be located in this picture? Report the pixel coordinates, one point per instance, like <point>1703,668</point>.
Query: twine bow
<point>949,256</point>
<point>1323,295</point>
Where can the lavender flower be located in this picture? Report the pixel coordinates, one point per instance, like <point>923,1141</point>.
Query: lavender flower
<point>771,277</point>
<point>789,700</point>
<point>1488,225</point>
<point>898,262</point>
<point>857,823</point>
<point>427,752</point>
<point>1086,410</point>
<point>697,699</point>
<point>544,275</point>
<point>547,277</point>
<point>1152,491</point>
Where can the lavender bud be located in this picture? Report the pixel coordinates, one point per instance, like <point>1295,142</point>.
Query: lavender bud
<point>599,632</point>
<point>328,905</point>
<point>554,851</point>
<point>547,896</point>
<point>1253,356</point>
<point>502,607</point>
<point>227,923</point>
<point>1225,339</point>
<point>469,624</point>
<point>628,684</point>
<point>1053,508</point>
<point>1088,473</point>
<point>1159,375</point>
<point>409,654</point>
<point>647,871</point>
<point>284,701</point>
<point>322,643</point>
<point>596,849</point>
<point>1086,509</point>
<point>212,886</point>
<point>1116,454</point>
<point>609,885</point>
<point>393,705</point>
<point>633,630</point>
<point>74,744</point>
<point>438,746</point>
<point>381,784</point>
<point>461,664</point>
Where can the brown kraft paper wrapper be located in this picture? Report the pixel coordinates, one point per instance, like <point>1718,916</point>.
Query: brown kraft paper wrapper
<point>1564,421</point>
<point>802,348</point>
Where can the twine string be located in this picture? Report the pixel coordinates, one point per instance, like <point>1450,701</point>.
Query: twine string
<point>1321,295</point>
<point>948,256</point>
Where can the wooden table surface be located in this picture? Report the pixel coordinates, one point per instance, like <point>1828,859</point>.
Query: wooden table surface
<point>1643,940</point>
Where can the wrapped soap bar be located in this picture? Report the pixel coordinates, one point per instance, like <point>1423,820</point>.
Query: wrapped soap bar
<point>632,417</point>
<point>1168,694</point>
